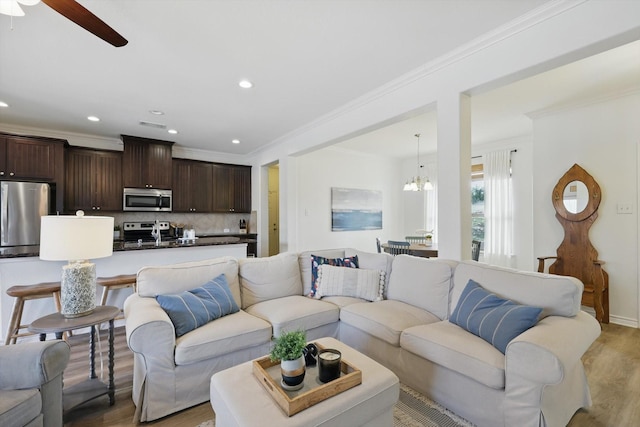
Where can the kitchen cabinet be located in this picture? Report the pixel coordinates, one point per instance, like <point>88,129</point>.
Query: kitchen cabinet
<point>33,158</point>
<point>231,188</point>
<point>93,180</point>
<point>192,186</point>
<point>146,163</point>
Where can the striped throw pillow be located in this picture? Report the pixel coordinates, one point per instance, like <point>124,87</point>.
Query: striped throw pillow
<point>191,309</point>
<point>492,318</point>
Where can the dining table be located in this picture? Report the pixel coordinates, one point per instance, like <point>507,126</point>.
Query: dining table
<point>417,249</point>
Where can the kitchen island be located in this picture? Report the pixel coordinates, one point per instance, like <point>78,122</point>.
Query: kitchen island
<point>22,266</point>
<point>250,241</point>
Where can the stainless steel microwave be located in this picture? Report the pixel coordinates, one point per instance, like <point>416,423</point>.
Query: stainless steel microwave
<point>146,200</point>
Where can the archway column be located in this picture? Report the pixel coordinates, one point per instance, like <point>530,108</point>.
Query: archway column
<point>454,176</point>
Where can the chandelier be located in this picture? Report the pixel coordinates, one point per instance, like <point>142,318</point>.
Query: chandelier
<point>418,183</point>
<point>12,8</point>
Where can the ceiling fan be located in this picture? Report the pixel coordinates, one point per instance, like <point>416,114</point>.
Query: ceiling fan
<point>73,11</point>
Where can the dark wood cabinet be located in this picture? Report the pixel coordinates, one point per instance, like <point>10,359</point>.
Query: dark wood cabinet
<point>231,188</point>
<point>93,180</point>
<point>147,163</point>
<point>192,186</point>
<point>33,158</point>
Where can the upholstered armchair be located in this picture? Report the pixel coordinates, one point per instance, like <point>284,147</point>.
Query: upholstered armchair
<point>31,383</point>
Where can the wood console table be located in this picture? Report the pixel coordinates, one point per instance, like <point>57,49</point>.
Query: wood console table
<point>57,324</point>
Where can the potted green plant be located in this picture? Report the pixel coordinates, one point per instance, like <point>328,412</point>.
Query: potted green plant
<point>288,349</point>
<point>428,238</point>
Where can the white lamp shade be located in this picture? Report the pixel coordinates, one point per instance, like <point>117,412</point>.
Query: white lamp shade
<point>68,237</point>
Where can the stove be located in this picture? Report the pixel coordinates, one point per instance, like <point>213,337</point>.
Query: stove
<point>134,231</point>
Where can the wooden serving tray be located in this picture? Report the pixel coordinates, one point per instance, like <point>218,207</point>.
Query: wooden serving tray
<point>313,392</point>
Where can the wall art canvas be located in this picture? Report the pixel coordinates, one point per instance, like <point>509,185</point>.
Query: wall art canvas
<point>353,209</point>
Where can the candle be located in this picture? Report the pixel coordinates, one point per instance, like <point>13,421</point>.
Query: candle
<point>329,365</point>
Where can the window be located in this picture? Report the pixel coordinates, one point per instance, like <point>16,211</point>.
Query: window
<point>477,203</point>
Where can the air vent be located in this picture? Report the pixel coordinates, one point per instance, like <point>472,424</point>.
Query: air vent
<point>152,125</point>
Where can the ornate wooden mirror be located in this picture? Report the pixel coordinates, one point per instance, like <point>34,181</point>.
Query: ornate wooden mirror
<point>576,198</point>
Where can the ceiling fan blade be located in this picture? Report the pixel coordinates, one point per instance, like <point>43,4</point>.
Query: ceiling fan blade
<point>77,13</point>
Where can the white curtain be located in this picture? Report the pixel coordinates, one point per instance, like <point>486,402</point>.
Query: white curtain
<point>498,209</point>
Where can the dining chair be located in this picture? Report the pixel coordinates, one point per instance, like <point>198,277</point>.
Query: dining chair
<point>397,247</point>
<point>475,250</point>
<point>418,240</point>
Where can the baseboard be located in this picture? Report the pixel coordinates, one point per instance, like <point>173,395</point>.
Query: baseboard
<point>617,320</point>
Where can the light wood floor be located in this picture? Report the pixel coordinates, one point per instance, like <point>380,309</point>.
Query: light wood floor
<point>612,364</point>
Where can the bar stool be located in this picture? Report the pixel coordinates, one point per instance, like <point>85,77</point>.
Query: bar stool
<point>116,282</point>
<point>23,293</point>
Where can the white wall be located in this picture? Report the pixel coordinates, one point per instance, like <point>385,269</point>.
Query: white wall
<point>603,139</point>
<point>329,167</point>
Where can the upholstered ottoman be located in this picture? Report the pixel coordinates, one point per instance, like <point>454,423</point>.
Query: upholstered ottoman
<point>238,399</point>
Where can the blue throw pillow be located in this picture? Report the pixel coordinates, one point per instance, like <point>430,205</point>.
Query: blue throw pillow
<point>494,319</point>
<point>191,309</point>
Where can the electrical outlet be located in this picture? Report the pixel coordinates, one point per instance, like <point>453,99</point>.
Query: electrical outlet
<point>226,230</point>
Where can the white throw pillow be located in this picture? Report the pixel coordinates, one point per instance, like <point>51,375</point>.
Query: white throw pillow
<point>350,282</point>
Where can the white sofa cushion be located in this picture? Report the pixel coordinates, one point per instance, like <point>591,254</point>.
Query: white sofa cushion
<point>176,278</point>
<point>342,301</point>
<point>454,348</point>
<point>556,295</point>
<point>295,312</point>
<point>385,319</point>
<point>422,282</point>
<point>263,279</point>
<point>372,261</point>
<point>226,335</point>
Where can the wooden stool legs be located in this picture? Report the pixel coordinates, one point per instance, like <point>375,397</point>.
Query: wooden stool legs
<point>115,282</point>
<point>23,294</point>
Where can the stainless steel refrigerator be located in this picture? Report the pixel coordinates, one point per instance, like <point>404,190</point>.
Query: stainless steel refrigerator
<point>21,206</point>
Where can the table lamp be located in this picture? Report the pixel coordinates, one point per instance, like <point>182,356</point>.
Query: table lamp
<point>76,239</point>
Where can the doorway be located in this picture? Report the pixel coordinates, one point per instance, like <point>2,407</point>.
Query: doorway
<point>274,209</point>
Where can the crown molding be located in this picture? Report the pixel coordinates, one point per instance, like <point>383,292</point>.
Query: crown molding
<point>537,114</point>
<point>209,156</point>
<point>74,139</point>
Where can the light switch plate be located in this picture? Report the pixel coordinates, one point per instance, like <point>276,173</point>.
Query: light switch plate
<point>624,208</point>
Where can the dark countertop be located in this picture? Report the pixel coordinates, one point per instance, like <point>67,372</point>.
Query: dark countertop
<point>120,245</point>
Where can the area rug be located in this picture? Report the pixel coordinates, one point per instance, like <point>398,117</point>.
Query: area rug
<point>414,410</point>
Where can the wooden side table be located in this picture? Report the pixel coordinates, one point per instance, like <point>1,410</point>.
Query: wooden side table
<point>57,324</point>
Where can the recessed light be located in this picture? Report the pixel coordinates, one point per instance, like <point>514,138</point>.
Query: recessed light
<point>157,112</point>
<point>245,84</point>
<point>236,141</point>
<point>93,119</point>
<point>3,104</point>
<point>172,131</point>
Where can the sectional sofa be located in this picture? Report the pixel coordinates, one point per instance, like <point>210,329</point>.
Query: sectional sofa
<point>417,324</point>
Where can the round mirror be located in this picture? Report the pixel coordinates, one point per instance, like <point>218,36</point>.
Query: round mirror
<point>575,196</point>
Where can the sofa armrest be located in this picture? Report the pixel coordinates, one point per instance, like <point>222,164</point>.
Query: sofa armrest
<point>47,360</point>
<point>556,343</point>
<point>543,367</point>
<point>149,328</point>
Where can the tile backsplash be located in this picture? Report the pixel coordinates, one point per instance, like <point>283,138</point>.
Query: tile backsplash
<point>203,223</point>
